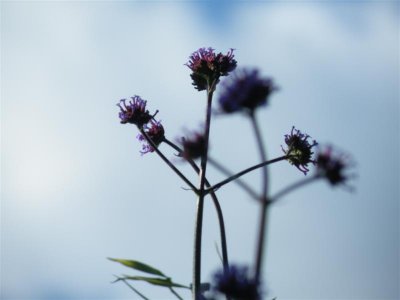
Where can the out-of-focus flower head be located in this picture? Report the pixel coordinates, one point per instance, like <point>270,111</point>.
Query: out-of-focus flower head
<point>299,149</point>
<point>155,132</point>
<point>194,146</point>
<point>134,112</point>
<point>245,90</point>
<point>237,284</point>
<point>207,66</point>
<point>332,165</point>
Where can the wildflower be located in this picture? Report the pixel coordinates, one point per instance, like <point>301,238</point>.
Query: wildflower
<point>236,283</point>
<point>207,66</point>
<point>194,147</point>
<point>245,90</point>
<point>155,132</point>
<point>134,112</point>
<point>332,166</point>
<point>299,149</point>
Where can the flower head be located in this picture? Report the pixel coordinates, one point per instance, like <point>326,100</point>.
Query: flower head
<point>332,165</point>
<point>207,66</point>
<point>299,149</point>
<point>194,147</point>
<point>245,90</point>
<point>134,112</point>
<point>237,284</point>
<point>155,132</point>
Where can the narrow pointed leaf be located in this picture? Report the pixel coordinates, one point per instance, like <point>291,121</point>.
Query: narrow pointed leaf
<point>166,282</point>
<point>138,266</point>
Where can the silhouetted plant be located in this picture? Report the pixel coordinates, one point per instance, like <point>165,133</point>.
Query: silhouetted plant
<point>244,91</point>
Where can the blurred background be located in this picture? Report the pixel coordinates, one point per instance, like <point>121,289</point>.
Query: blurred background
<point>75,189</point>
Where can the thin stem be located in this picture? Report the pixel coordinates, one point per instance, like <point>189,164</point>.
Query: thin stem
<point>237,175</point>
<point>292,187</point>
<point>175,147</point>
<point>200,202</point>
<point>228,173</point>
<point>264,202</point>
<point>166,160</point>
<point>135,290</point>
<point>220,216</point>
<point>175,293</point>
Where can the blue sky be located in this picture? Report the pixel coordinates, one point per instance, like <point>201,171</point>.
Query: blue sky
<point>75,190</point>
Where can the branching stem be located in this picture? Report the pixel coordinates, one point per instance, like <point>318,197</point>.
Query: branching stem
<point>292,187</point>
<point>241,173</point>
<point>167,161</point>
<point>224,247</point>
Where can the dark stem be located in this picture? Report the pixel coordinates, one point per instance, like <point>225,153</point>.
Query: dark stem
<point>264,202</point>
<point>200,202</point>
<point>224,247</point>
<point>237,175</point>
<point>228,173</point>
<point>166,160</point>
<point>292,187</point>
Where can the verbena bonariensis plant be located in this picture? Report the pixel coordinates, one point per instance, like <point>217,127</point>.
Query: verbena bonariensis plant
<point>244,91</point>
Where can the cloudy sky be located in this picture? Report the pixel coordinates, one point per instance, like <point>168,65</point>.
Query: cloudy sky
<point>75,189</point>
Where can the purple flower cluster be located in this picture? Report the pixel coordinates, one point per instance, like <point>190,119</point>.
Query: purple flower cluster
<point>237,284</point>
<point>332,166</point>
<point>299,149</point>
<point>207,66</point>
<point>194,147</point>
<point>134,112</point>
<point>155,132</point>
<point>245,90</point>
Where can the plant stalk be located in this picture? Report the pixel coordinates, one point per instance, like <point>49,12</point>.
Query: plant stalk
<point>166,160</point>
<point>292,187</point>
<point>220,216</point>
<point>263,199</point>
<point>241,173</point>
<point>200,202</point>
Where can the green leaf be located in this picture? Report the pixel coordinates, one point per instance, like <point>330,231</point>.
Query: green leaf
<point>138,266</point>
<point>166,282</point>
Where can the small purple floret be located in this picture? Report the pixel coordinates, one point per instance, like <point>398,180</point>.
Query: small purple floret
<point>299,149</point>
<point>237,284</point>
<point>155,132</point>
<point>245,90</point>
<point>134,112</point>
<point>203,56</point>
<point>207,66</point>
<point>332,165</point>
<point>194,147</point>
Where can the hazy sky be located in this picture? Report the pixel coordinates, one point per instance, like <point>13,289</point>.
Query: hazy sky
<point>75,189</point>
